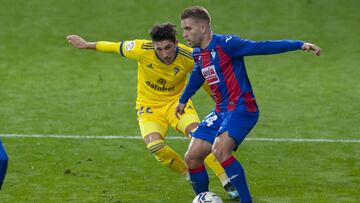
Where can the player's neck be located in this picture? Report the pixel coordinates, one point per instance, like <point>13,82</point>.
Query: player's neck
<point>206,41</point>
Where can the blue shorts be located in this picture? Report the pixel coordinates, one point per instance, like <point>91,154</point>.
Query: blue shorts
<point>238,123</point>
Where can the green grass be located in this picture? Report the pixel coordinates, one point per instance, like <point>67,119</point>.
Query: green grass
<point>49,87</point>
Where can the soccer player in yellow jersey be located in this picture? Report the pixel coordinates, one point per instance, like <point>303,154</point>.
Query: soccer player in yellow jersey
<point>163,65</point>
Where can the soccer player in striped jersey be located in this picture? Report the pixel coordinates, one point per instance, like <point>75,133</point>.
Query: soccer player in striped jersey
<point>219,59</point>
<point>163,65</point>
<point>3,164</point>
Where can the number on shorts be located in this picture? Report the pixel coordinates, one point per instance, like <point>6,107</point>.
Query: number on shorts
<point>210,119</point>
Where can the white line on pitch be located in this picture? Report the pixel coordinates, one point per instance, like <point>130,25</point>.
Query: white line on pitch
<point>175,138</point>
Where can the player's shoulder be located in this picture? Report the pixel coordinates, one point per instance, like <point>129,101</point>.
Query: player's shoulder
<point>146,44</point>
<point>137,49</point>
<point>185,51</point>
<point>137,45</point>
<point>225,39</point>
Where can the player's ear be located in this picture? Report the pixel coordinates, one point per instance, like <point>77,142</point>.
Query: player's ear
<point>203,27</point>
<point>176,42</point>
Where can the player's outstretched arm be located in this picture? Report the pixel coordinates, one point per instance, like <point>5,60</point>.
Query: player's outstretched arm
<point>103,46</point>
<point>311,47</point>
<point>80,43</point>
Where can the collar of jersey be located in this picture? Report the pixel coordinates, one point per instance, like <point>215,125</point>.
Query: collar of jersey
<point>212,42</point>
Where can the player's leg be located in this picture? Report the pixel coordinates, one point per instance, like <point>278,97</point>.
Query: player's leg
<point>236,129</point>
<point>216,167</point>
<point>153,129</point>
<point>199,148</point>
<point>164,153</point>
<point>194,158</point>
<point>3,163</point>
<point>187,124</point>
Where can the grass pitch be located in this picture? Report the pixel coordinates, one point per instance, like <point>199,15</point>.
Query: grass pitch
<point>49,87</point>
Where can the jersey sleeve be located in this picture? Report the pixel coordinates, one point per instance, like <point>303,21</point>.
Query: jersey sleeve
<point>236,47</point>
<point>106,46</point>
<point>131,49</point>
<point>195,81</point>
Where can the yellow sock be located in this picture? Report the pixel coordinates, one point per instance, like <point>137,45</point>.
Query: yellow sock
<point>216,167</point>
<point>167,156</point>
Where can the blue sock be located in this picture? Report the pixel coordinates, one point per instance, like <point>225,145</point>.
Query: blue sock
<point>199,179</point>
<point>3,164</point>
<point>236,174</point>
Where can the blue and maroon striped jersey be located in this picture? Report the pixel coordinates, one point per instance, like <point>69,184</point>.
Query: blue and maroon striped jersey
<point>222,65</point>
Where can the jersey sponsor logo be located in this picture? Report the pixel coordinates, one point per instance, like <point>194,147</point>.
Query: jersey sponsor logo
<point>210,75</point>
<point>130,45</point>
<point>161,81</point>
<point>160,86</point>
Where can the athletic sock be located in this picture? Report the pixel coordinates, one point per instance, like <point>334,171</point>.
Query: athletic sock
<point>236,174</point>
<point>199,179</point>
<point>167,156</point>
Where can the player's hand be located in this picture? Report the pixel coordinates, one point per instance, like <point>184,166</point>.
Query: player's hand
<point>77,41</point>
<point>179,110</point>
<point>311,47</point>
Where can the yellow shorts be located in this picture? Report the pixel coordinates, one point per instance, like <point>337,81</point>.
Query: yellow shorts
<point>157,119</point>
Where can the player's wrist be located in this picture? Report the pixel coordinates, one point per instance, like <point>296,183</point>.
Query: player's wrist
<point>182,101</point>
<point>90,45</point>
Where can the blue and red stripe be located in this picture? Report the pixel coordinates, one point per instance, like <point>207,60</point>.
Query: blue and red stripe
<point>206,61</point>
<point>231,82</point>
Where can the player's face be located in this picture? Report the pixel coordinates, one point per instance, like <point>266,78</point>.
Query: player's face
<point>166,50</point>
<point>193,31</point>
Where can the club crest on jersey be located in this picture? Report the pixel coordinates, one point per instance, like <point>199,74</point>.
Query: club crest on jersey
<point>176,70</point>
<point>130,45</point>
<point>213,54</point>
<point>210,75</point>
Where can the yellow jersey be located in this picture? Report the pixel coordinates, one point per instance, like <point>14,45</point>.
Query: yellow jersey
<point>158,83</point>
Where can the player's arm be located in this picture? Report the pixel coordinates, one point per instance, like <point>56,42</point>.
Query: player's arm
<point>190,67</point>
<point>243,47</point>
<point>104,46</point>
<point>195,82</point>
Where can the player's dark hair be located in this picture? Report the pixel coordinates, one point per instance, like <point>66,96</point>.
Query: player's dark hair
<point>163,31</point>
<point>197,13</point>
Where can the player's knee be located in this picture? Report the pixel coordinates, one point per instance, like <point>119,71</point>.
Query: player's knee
<point>220,153</point>
<point>187,158</point>
<point>191,160</point>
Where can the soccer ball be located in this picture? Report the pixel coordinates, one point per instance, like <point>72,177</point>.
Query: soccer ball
<point>207,197</point>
